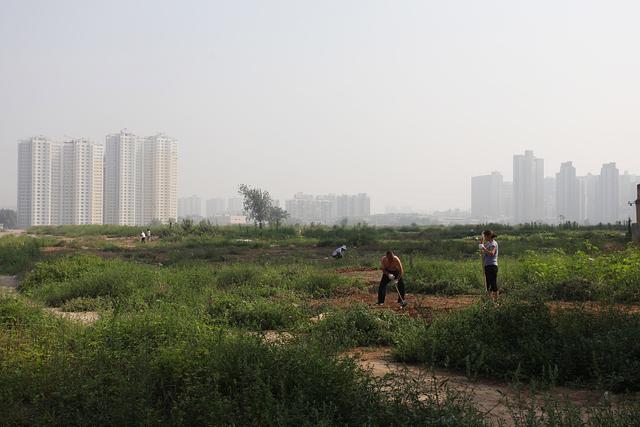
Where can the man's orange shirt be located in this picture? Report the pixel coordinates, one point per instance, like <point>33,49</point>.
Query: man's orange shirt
<point>393,265</point>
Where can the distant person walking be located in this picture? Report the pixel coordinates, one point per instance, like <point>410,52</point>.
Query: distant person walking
<point>143,237</point>
<point>489,249</point>
<point>148,234</point>
<point>391,270</point>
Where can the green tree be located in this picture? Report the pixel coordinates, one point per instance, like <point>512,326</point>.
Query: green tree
<point>277,215</point>
<point>257,204</point>
<point>259,207</point>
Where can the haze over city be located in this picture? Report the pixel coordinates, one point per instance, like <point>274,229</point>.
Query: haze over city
<point>404,101</point>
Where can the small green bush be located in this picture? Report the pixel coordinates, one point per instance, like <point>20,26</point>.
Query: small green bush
<point>321,284</point>
<point>86,304</point>
<point>258,314</point>
<point>356,327</point>
<point>18,254</point>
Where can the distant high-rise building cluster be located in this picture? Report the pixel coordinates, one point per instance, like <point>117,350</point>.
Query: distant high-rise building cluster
<point>302,208</point>
<point>327,209</point>
<point>567,197</point>
<point>217,210</point>
<point>130,180</point>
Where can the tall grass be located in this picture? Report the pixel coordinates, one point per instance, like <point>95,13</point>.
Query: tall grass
<point>167,368</point>
<point>525,340</point>
<point>18,254</point>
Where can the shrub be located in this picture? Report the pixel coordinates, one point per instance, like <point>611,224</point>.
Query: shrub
<point>17,254</point>
<point>16,313</point>
<point>237,275</point>
<point>355,327</point>
<point>58,281</point>
<point>61,269</point>
<point>524,340</point>
<point>86,304</point>
<point>166,368</point>
<point>260,314</point>
<point>599,347</point>
<point>322,284</point>
<point>444,277</point>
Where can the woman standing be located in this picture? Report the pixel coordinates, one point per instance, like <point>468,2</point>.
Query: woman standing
<point>489,248</point>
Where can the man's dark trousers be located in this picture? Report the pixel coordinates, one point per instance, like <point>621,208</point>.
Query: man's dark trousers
<point>382,289</point>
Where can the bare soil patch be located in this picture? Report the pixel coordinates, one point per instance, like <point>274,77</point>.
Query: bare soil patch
<point>8,282</point>
<point>496,399</point>
<point>84,317</point>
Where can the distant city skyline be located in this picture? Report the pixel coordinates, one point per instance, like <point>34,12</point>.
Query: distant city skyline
<point>562,196</point>
<point>534,197</point>
<point>402,100</point>
<point>301,208</point>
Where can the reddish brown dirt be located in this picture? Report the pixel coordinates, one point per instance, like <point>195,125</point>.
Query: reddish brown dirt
<point>423,305</point>
<point>592,306</point>
<point>493,398</point>
<point>52,249</point>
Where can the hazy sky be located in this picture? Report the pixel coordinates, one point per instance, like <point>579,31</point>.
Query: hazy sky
<point>405,100</point>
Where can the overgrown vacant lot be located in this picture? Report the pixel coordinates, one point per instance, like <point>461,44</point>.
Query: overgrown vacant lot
<point>211,325</point>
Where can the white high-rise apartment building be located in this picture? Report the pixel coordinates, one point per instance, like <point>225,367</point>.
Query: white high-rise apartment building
<point>59,183</point>
<point>550,212</point>
<point>216,207</point>
<point>190,207</point>
<point>628,190</point>
<point>82,173</point>
<point>140,179</point>
<point>235,206</point>
<point>486,196</point>
<point>157,198</point>
<point>608,194</point>
<point>568,194</point>
<point>121,182</point>
<point>528,188</point>
<point>356,205</point>
<point>39,182</point>
<point>326,209</point>
<point>588,203</point>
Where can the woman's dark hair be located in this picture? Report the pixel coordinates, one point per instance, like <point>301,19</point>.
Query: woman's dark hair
<point>490,234</point>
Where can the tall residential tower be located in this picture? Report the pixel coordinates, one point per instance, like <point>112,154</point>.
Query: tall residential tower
<point>486,197</point>
<point>59,183</point>
<point>39,182</point>
<point>121,182</point>
<point>567,194</point>
<point>528,188</point>
<point>158,169</point>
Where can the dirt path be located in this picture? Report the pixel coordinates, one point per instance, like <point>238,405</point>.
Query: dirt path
<point>12,233</point>
<point>421,305</point>
<point>9,285</point>
<point>496,399</point>
<point>84,317</point>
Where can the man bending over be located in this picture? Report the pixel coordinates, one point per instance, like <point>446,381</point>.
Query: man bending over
<point>391,270</point>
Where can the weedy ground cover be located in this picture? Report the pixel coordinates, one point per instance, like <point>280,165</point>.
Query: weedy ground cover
<point>524,340</point>
<point>179,339</point>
